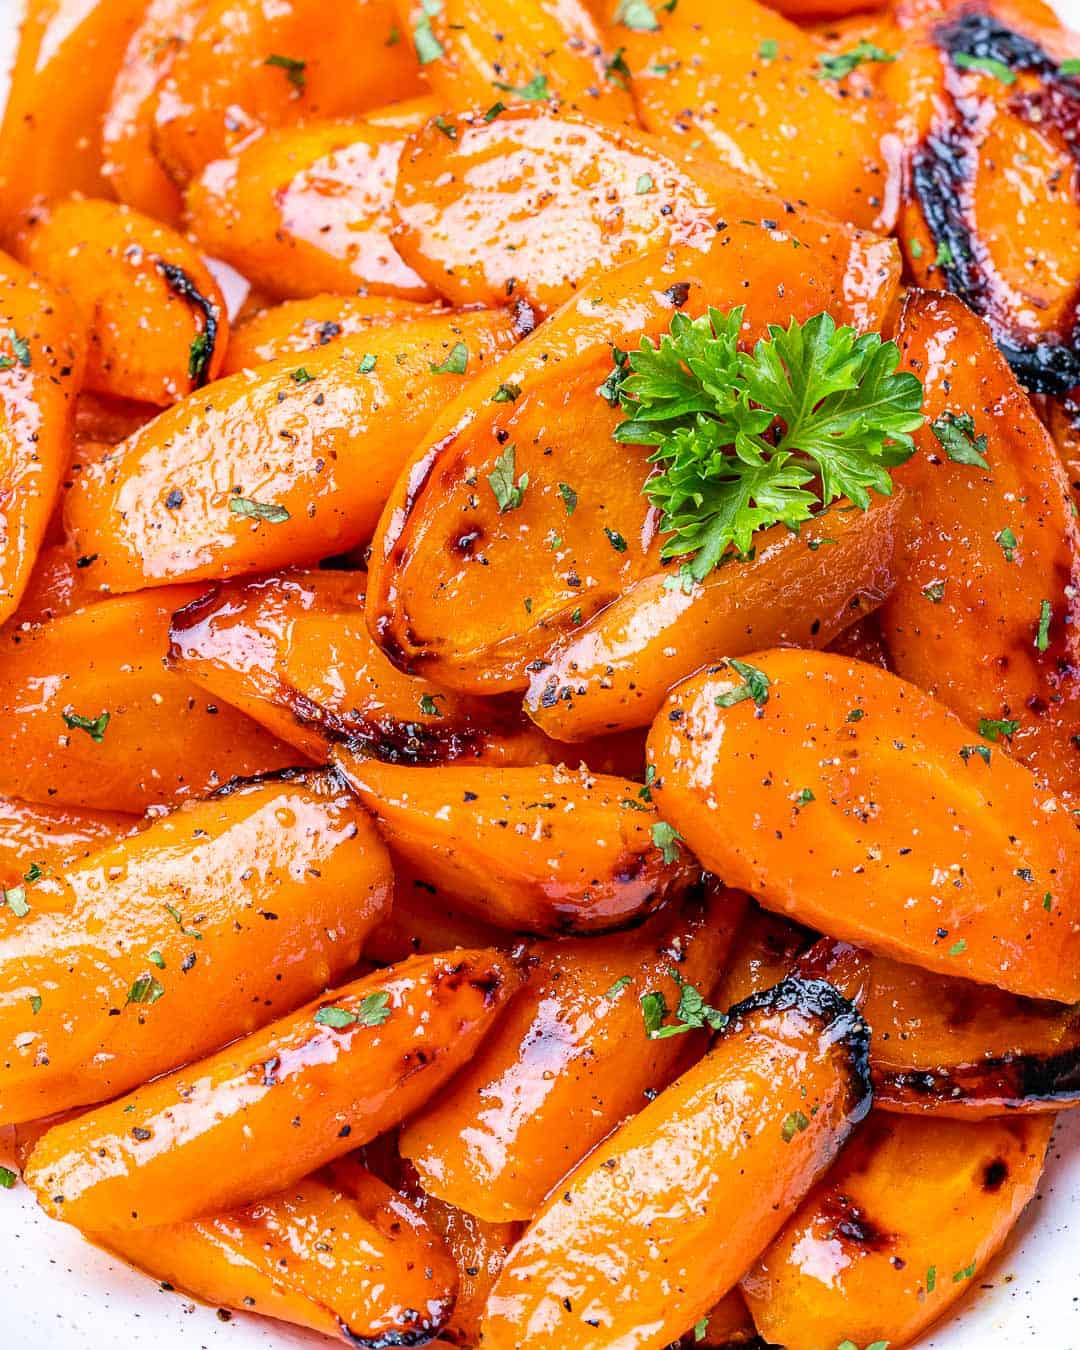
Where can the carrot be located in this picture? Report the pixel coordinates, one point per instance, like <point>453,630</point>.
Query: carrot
<point>425,918</point>
<point>348,1067</point>
<point>542,849</point>
<point>848,800</point>
<point>161,947</point>
<point>42,839</point>
<point>658,1223</point>
<point>569,1061</point>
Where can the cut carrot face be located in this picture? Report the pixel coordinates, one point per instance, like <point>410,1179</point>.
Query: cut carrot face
<point>305,210</point>
<point>42,356</point>
<point>293,652</point>
<point>627,1251</point>
<point>543,849</point>
<point>156,319</point>
<point>801,589</point>
<point>39,840</point>
<point>478,53</point>
<point>519,516</point>
<point>250,66</point>
<point>285,466</point>
<point>727,1324</point>
<point>364,1268</point>
<point>748,82</point>
<point>127,133</point>
<point>67,58</point>
<point>848,800</point>
<point>424,920</point>
<point>89,716</point>
<point>203,926</point>
<point>573,1057</point>
<point>994,639</point>
<point>899,1231</point>
<point>349,1067</point>
<point>764,952</point>
<point>297,326</point>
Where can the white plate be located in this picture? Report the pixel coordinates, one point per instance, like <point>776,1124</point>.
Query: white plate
<point>60,1293</point>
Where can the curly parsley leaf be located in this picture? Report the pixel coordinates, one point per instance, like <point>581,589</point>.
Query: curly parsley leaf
<point>749,440</point>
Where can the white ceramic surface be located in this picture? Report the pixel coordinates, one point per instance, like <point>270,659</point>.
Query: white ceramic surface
<point>60,1293</point>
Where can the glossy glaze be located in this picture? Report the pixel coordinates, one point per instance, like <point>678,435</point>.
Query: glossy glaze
<point>52,837</point>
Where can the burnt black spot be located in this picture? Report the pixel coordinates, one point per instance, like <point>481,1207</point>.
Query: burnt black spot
<point>628,868</point>
<point>678,293</point>
<point>181,284</point>
<point>422,1334</point>
<point>524,318</point>
<point>852,1226</point>
<point>994,1175</point>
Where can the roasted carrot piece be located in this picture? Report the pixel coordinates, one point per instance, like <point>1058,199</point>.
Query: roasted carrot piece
<point>899,1231</point>
<point>90,718</point>
<point>285,467</point>
<point>470,584</point>
<point>130,165</point>
<point>66,60</point>
<point>543,849</point>
<point>765,950</point>
<point>799,589</point>
<point>659,1221</point>
<point>349,1067</point>
<point>538,200</point>
<point>849,800</point>
<point>297,326</point>
<point>477,53</point>
<point>725,1325</point>
<point>363,1267</point>
<point>294,653</point>
<point>425,919</point>
<point>173,941</point>
<point>156,319</point>
<point>103,420</point>
<point>42,356</point>
<point>251,65</point>
<point>39,840</point>
<point>984,613</point>
<point>305,210</point>
<point>571,1060</point>
<point>751,85</point>
<point>57,585</point>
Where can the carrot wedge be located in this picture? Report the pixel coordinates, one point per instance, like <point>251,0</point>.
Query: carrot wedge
<point>201,927</point>
<point>541,849</point>
<point>348,1067</point>
<point>848,800</point>
<point>627,1251</point>
<point>44,839</point>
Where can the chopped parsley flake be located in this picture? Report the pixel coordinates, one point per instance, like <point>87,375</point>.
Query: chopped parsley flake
<point>843,63</point>
<point>508,494</point>
<point>455,364</point>
<point>666,838</point>
<point>955,433</point>
<point>93,726</point>
<point>294,70</point>
<point>268,511</point>
<point>755,685</point>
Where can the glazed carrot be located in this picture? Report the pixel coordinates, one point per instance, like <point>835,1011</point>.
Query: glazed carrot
<point>251,65</point>
<point>900,1230</point>
<point>64,68</point>
<point>354,1261</point>
<point>469,584</point>
<point>42,356</point>
<point>293,652</point>
<point>206,924</point>
<point>297,326</point>
<point>984,613</point>
<point>765,950</point>
<point>127,134</point>
<point>543,849</point>
<point>659,1222</point>
<point>41,840</point>
<point>479,52</point>
<point>348,1067</point>
<point>156,319</point>
<point>103,420</point>
<point>425,919</point>
<point>90,718</point>
<point>569,1062</point>
<point>305,210</point>
<point>847,799</point>
<point>748,83</point>
<point>862,642</point>
<point>800,589</point>
<point>285,466</point>
<point>57,585</point>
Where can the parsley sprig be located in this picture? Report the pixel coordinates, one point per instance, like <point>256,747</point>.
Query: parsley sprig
<point>741,437</point>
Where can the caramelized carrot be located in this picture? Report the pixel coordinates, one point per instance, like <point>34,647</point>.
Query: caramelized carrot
<point>846,798</point>
<point>726,1325</point>
<point>286,466</point>
<point>305,210</point>
<point>661,1219</point>
<point>294,653</point>
<point>156,319</point>
<point>206,924</point>
<point>541,850</point>
<point>425,918</point>
<point>42,356</point>
<point>570,1061</point>
<point>900,1230</point>
<point>764,952</point>
<point>470,584</point>
<point>90,718</point>
<point>348,1067</point>
<point>39,840</point>
<point>799,589</point>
